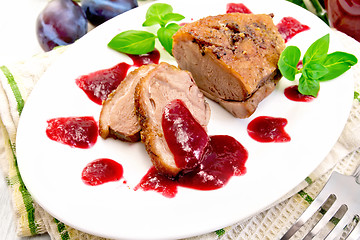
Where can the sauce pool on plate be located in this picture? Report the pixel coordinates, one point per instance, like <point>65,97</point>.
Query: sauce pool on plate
<point>237,7</point>
<point>292,93</point>
<point>101,171</point>
<point>224,157</point>
<point>99,84</point>
<point>288,27</point>
<point>79,132</point>
<point>219,157</point>
<point>268,129</point>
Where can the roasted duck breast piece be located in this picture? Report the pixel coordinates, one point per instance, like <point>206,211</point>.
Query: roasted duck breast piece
<point>118,117</point>
<point>232,57</point>
<point>161,86</point>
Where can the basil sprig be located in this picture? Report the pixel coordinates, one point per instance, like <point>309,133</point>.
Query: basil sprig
<point>317,65</point>
<point>139,42</point>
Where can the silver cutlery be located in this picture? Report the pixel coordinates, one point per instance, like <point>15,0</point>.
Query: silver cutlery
<point>346,192</point>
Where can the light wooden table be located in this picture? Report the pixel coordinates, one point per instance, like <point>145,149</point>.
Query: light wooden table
<point>7,220</point>
<point>14,47</point>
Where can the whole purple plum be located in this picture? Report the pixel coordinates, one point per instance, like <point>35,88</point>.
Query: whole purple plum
<point>60,23</point>
<point>99,11</point>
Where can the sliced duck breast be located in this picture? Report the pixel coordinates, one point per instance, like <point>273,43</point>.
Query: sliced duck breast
<point>118,117</point>
<point>161,86</point>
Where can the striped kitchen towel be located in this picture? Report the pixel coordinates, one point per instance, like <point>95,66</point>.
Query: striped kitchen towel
<point>18,79</point>
<point>16,82</point>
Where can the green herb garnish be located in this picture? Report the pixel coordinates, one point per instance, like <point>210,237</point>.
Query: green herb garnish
<point>141,42</point>
<point>317,65</point>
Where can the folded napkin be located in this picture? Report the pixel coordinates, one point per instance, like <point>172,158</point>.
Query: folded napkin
<point>18,79</point>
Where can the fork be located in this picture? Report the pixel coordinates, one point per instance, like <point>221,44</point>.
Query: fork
<point>346,190</point>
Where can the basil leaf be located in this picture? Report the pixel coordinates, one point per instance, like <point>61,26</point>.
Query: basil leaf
<point>172,17</point>
<point>133,42</point>
<point>165,36</point>
<point>314,71</point>
<point>318,50</point>
<point>318,65</point>
<point>152,21</point>
<point>288,61</point>
<point>158,10</point>
<point>142,42</point>
<point>163,20</point>
<point>161,13</point>
<point>308,86</point>
<point>337,63</point>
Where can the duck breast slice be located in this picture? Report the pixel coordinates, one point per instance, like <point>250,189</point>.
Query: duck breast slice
<point>163,85</point>
<point>118,117</point>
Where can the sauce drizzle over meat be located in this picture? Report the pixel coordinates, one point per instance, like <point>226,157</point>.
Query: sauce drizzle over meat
<point>222,158</point>
<point>185,137</point>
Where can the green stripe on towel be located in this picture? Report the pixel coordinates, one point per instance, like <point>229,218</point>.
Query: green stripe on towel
<point>64,234</point>
<point>308,180</point>
<point>14,88</point>
<point>305,196</point>
<point>7,181</point>
<point>27,199</point>
<point>220,232</point>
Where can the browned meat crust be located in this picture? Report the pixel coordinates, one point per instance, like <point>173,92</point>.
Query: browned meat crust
<point>231,57</point>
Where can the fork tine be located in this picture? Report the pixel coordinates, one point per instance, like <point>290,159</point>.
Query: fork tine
<point>303,218</point>
<point>324,220</point>
<point>339,228</point>
<point>355,233</point>
<point>307,214</point>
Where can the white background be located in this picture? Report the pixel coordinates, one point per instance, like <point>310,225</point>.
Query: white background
<point>17,29</point>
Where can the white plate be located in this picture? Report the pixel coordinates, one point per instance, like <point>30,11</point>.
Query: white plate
<point>52,171</point>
